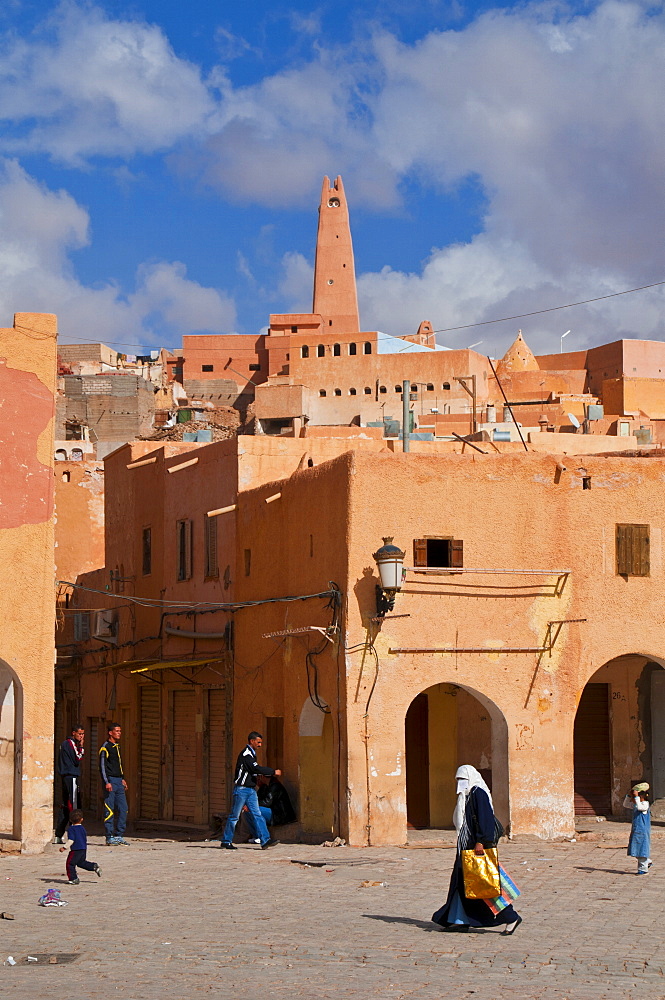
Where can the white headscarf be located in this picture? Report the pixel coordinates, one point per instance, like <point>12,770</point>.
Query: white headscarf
<point>475,780</point>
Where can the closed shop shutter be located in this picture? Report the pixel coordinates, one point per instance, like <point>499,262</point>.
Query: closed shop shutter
<point>93,798</point>
<point>592,752</point>
<point>217,791</point>
<point>149,752</point>
<point>184,756</point>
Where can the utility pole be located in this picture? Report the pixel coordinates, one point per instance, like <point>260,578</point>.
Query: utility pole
<point>406,392</point>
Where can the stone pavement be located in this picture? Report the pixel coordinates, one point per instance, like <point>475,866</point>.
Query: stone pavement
<point>181,920</point>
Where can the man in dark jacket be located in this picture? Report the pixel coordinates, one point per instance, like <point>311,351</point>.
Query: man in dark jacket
<point>70,756</point>
<point>244,794</point>
<point>115,786</point>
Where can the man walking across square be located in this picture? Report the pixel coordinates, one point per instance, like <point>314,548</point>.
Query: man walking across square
<point>115,786</point>
<point>70,756</point>
<point>244,794</point>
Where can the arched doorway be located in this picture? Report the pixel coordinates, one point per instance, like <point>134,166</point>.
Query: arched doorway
<point>619,735</point>
<point>445,726</point>
<point>316,789</point>
<point>11,710</point>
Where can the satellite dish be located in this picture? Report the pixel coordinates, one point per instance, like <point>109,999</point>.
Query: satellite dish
<point>573,419</point>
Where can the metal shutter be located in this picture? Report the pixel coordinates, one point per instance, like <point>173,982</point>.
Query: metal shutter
<point>217,791</point>
<point>184,756</point>
<point>149,751</point>
<point>94,783</point>
<point>592,760</point>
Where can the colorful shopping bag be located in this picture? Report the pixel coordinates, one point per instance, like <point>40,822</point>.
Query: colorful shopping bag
<point>509,892</point>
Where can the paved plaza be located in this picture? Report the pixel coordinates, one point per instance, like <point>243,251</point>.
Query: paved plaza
<point>184,919</point>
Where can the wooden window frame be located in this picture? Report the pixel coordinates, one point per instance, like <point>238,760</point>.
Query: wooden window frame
<point>146,550</point>
<point>632,550</point>
<point>456,551</point>
<point>184,547</point>
<point>211,526</point>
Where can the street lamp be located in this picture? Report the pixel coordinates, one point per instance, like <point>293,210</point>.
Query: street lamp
<point>562,336</point>
<point>390,561</point>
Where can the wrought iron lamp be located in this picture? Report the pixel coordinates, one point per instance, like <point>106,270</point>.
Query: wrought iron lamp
<point>390,561</point>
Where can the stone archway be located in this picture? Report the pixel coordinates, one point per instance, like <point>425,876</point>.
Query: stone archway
<point>447,725</point>
<point>619,735</point>
<point>11,746</point>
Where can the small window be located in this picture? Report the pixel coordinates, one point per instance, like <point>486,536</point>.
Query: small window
<point>304,351</point>
<point>439,552</point>
<point>382,388</point>
<point>248,561</point>
<point>207,368</point>
<point>337,350</point>
<point>430,387</point>
<point>320,351</point>
<point>632,549</point>
<point>66,477</point>
<point>255,368</point>
<point>367,391</point>
<point>294,329</point>
<point>414,388</point>
<point>146,548</point>
<point>322,392</point>
<point>367,347</point>
<point>184,531</point>
<point>398,388</point>
<point>81,626</point>
<point>352,392</point>
<point>352,348</point>
<point>446,385</point>
<point>338,392</point>
<point>211,563</point>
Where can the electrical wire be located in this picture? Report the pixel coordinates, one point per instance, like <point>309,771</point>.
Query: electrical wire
<point>149,602</point>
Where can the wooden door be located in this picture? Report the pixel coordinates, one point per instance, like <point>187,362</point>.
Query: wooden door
<point>417,762</point>
<point>592,755</point>
<point>218,797</point>
<point>149,751</point>
<point>184,756</point>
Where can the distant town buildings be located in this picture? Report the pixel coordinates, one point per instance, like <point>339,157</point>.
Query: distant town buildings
<point>236,586</point>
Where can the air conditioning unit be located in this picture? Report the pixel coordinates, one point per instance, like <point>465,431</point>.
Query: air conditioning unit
<point>106,625</point>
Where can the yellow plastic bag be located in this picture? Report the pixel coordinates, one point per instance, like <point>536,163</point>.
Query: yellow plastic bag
<point>481,874</point>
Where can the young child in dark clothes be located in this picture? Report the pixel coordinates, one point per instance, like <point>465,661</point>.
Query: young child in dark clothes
<point>79,845</point>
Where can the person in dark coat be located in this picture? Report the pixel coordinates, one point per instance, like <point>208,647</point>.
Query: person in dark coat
<point>70,756</point>
<point>477,829</point>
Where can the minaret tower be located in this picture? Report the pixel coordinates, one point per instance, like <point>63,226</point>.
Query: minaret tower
<point>335,297</point>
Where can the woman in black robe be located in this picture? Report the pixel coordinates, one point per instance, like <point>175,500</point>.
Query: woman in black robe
<point>477,828</point>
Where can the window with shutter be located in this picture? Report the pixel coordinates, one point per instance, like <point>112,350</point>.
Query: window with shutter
<point>632,550</point>
<point>438,552</point>
<point>81,626</point>
<point>184,531</point>
<point>211,563</point>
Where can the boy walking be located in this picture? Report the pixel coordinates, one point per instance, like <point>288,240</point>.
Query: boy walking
<point>77,852</point>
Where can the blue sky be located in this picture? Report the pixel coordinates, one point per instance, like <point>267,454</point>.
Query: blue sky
<point>161,163</point>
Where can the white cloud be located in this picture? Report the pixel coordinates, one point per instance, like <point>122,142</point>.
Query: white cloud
<point>86,85</point>
<point>559,116</point>
<point>40,227</point>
